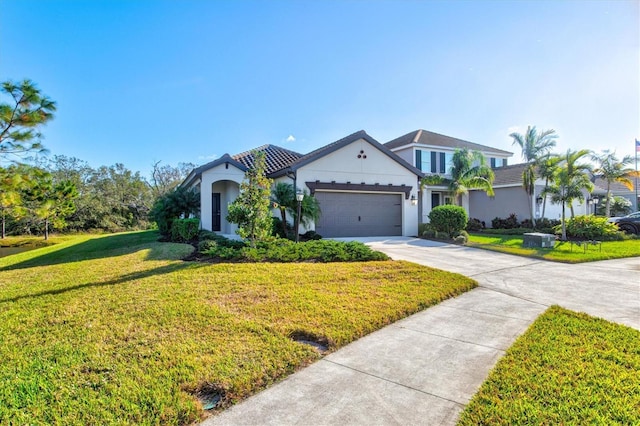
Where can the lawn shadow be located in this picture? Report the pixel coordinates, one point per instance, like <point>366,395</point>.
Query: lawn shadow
<point>95,248</point>
<point>167,269</point>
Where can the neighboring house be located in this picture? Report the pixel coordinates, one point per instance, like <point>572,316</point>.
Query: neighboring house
<point>510,197</point>
<point>363,188</point>
<point>432,153</point>
<point>617,190</point>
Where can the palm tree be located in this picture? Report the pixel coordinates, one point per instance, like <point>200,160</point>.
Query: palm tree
<point>577,172</point>
<point>283,197</point>
<point>609,168</point>
<point>469,170</point>
<point>534,146</point>
<point>547,169</point>
<point>566,188</point>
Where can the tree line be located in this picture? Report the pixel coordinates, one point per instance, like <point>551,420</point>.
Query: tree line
<point>40,193</point>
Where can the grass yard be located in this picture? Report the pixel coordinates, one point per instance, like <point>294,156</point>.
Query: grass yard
<point>568,368</point>
<point>563,251</point>
<point>117,329</point>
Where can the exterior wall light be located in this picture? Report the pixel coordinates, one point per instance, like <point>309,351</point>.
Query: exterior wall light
<point>414,200</point>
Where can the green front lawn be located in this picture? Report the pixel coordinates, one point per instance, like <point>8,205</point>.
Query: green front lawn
<point>568,368</point>
<point>117,329</point>
<point>563,251</point>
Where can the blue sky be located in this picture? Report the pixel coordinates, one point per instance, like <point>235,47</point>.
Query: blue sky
<point>185,81</point>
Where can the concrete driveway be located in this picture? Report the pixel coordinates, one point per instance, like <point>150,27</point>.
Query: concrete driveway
<point>423,370</point>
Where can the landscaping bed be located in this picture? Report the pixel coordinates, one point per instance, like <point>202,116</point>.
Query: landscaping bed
<point>118,329</point>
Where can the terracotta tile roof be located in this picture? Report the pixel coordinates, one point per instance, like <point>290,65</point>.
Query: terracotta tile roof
<point>424,137</point>
<point>277,158</point>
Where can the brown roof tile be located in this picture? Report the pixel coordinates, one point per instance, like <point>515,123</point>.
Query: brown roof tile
<point>277,158</point>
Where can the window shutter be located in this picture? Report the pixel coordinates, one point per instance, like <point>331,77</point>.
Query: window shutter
<point>493,163</point>
<point>443,163</point>
<point>419,159</point>
<point>433,162</point>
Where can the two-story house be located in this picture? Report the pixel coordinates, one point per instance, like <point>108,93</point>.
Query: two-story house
<point>432,153</point>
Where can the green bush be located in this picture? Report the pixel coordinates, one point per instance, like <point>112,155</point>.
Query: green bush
<point>423,227</point>
<point>207,245</point>
<point>590,227</point>
<point>448,218</point>
<point>474,225</point>
<point>443,235</point>
<point>510,222</point>
<point>184,230</point>
<point>282,250</point>
<point>429,233</point>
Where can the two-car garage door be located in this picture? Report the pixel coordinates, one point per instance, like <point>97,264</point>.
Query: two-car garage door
<point>352,214</point>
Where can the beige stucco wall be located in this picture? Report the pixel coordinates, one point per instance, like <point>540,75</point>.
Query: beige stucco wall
<point>223,180</point>
<point>344,166</point>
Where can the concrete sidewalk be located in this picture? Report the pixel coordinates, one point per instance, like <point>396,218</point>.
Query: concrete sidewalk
<point>425,368</point>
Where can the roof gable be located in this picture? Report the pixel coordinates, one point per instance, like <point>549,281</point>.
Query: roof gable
<point>424,137</point>
<point>332,147</point>
<point>197,172</point>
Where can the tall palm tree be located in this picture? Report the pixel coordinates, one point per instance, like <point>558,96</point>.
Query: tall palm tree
<point>547,169</point>
<point>534,146</point>
<point>577,172</point>
<point>469,170</point>
<point>609,168</point>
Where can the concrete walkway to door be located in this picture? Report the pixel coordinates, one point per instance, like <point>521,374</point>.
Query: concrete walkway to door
<point>422,370</point>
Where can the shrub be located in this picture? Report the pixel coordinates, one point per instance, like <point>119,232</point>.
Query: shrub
<point>448,218</point>
<point>429,233</point>
<point>443,235</point>
<point>460,239</point>
<point>475,225</point>
<point>310,235</point>
<point>207,245</point>
<point>510,222</point>
<point>591,228</point>
<point>277,229</point>
<point>281,250</point>
<point>207,235</point>
<point>184,230</point>
<point>423,227</point>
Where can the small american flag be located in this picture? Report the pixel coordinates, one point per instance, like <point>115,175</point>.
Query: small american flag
<point>637,145</point>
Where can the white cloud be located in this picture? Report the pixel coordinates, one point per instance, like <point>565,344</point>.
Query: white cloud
<point>208,157</point>
<point>290,138</point>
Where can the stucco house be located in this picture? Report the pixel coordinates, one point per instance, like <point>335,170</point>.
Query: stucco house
<point>432,153</point>
<point>366,188</point>
<point>363,188</point>
<point>510,197</point>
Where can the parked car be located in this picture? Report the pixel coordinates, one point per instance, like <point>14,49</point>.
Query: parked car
<point>629,223</point>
